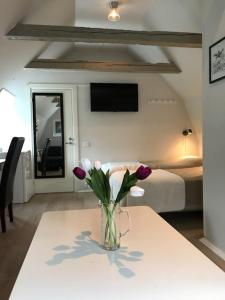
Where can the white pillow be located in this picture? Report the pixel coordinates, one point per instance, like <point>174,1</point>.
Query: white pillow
<point>111,165</point>
<point>186,162</point>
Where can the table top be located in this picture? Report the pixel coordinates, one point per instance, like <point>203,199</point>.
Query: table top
<point>154,262</point>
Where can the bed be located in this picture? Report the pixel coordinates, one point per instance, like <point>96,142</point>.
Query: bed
<point>192,177</point>
<point>169,188</point>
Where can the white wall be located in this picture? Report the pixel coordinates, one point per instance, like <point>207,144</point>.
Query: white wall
<point>156,15</point>
<point>152,133</point>
<point>182,15</point>
<point>11,123</point>
<point>156,128</point>
<point>214,133</point>
<point>14,55</point>
<point>155,132</point>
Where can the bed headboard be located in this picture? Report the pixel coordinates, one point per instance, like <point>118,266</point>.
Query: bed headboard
<point>189,162</point>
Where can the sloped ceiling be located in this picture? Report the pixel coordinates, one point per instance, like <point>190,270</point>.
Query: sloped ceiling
<point>175,15</point>
<point>166,15</point>
<point>171,15</point>
<point>14,56</point>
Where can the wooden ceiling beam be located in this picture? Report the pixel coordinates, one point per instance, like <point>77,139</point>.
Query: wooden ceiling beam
<point>103,66</point>
<point>52,33</point>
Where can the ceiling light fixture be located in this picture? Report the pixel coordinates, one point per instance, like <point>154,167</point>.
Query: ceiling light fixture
<point>113,15</point>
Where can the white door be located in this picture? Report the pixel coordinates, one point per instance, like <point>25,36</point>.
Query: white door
<point>65,182</point>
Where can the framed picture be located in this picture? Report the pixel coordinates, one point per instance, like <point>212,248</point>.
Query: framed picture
<point>217,61</point>
<point>57,128</point>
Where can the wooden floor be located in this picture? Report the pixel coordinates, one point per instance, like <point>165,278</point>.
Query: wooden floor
<point>15,243</point>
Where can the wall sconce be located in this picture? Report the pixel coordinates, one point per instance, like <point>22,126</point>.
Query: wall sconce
<point>187,131</point>
<point>113,15</point>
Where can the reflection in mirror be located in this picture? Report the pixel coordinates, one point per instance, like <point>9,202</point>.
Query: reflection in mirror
<point>48,135</point>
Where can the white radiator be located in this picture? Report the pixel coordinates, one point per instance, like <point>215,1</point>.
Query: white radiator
<point>24,183</point>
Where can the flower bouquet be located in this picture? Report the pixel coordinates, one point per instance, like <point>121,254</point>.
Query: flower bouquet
<point>99,182</point>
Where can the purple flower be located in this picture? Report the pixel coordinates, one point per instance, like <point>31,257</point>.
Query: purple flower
<point>143,172</point>
<point>79,173</point>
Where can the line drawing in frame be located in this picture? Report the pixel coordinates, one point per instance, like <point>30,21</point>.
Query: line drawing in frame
<point>57,128</point>
<point>217,61</point>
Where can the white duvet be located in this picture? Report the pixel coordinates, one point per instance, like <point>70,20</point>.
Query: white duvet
<point>164,191</point>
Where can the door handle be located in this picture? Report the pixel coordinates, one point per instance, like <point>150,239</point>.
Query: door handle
<point>69,143</point>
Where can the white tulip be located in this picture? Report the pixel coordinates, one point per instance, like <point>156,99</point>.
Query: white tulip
<point>86,164</point>
<point>136,191</point>
<point>98,164</point>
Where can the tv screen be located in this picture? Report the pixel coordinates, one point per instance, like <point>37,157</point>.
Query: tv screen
<point>114,97</point>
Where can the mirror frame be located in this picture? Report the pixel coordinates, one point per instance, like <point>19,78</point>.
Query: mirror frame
<point>34,100</point>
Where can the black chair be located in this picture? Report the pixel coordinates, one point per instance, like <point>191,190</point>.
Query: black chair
<point>54,159</point>
<point>42,164</point>
<point>7,180</point>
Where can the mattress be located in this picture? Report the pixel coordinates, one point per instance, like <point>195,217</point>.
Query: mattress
<point>171,189</point>
<point>193,186</point>
<point>164,191</point>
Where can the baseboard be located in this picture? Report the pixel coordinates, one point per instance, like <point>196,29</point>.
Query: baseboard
<point>85,191</point>
<point>212,247</point>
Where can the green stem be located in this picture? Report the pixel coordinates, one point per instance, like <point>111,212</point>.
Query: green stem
<point>110,228</point>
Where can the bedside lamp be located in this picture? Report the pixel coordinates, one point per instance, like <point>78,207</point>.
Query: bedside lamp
<point>113,15</point>
<point>186,132</point>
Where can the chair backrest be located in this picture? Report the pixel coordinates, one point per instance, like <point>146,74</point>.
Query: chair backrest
<point>45,153</point>
<point>9,171</point>
<point>55,151</point>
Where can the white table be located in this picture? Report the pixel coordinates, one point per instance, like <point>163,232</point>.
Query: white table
<point>154,262</point>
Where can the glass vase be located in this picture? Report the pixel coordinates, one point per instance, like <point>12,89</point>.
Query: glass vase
<point>110,226</point>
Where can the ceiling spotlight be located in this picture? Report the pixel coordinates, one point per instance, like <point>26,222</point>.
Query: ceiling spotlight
<point>113,15</point>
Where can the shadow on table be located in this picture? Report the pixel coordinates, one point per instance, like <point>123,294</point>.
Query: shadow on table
<point>85,245</point>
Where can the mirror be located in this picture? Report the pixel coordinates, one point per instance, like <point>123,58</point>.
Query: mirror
<point>48,135</point>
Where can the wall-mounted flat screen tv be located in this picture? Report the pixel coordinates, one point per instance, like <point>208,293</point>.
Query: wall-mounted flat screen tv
<point>114,97</point>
